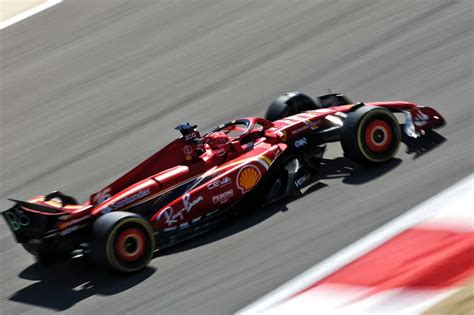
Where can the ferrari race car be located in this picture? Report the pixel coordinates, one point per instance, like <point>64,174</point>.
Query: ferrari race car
<point>190,185</point>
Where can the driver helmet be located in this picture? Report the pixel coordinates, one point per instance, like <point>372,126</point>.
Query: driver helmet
<point>217,140</point>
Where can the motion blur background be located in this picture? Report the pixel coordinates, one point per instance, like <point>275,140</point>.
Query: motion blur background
<point>91,88</point>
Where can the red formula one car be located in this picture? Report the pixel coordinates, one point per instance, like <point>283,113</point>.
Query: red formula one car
<point>188,186</point>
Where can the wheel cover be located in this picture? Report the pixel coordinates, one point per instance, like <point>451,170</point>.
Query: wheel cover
<point>378,136</point>
<point>130,245</point>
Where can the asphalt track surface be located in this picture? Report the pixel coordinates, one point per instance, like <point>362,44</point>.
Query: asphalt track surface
<point>90,88</point>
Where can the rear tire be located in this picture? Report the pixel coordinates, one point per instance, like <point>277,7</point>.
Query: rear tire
<point>290,104</point>
<point>122,241</point>
<point>370,135</point>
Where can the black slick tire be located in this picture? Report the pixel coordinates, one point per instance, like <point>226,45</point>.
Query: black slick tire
<point>370,135</point>
<point>122,241</point>
<point>290,104</point>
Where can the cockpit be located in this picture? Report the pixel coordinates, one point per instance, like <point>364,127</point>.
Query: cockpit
<point>235,137</point>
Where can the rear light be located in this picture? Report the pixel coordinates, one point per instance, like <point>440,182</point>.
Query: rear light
<point>65,217</point>
<point>64,221</point>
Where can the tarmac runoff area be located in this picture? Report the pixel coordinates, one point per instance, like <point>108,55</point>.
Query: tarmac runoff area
<point>461,302</point>
<point>14,11</point>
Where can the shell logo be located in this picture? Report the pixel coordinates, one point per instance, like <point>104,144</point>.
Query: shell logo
<point>248,178</point>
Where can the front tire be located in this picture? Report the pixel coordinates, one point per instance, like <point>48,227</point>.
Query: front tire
<point>370,135</point>
<point>122,241</point>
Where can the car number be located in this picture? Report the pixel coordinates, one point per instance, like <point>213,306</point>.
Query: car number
<point>17,219</point>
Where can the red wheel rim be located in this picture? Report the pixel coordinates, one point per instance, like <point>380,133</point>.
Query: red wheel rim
<point>130,244</point>
<point>378,136</point>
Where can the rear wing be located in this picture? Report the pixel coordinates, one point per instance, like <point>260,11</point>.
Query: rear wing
<point>34,206</point>
<point>29,221</point>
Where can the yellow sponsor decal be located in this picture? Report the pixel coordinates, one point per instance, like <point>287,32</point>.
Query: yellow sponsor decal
<point>267,160</point>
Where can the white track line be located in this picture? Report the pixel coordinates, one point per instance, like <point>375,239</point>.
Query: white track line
<point>423,211</point>
<point>26,14</point>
